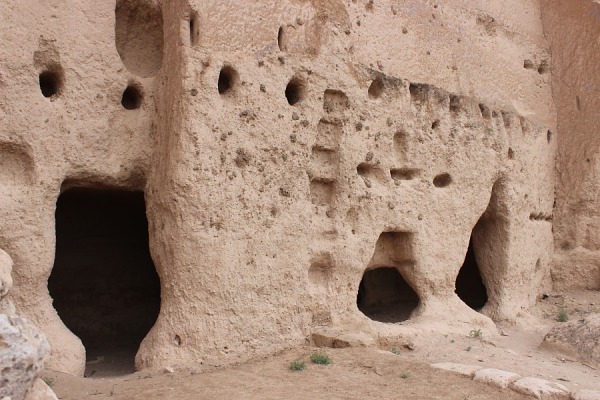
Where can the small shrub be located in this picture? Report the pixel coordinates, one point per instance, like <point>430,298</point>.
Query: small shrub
<point>405,374</point>
<point>297,366</point>
<point>395,351</point>
<point>475,333</point>
<point>48,381</point>
<point>320,358</point>
<point>468,348</point>
<point>563,316</point>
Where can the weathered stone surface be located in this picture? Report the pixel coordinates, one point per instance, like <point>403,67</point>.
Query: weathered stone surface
<point>23,349</point>
<point>580,339</point>
<point>461,369</point>
<point>496,377</point>
<point>541,389</point>
<point>584,394</point>
<point>282,163</point>
<point>40,391</point>
<point>6,281</point>
<point>337,340</point>
<point>576,87</point>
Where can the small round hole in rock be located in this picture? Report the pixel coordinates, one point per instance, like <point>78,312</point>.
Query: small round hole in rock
<point>376,89</point>
<point>132,98</point>
<point>50,83</point>
<point>227,79</point>
<point>294,91</point>
<point>442,180</point>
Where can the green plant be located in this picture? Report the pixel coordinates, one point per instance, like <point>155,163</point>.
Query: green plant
<point>48,381</point>
<point>320,358</point>
<point>468,348</point>
<point>451,340</point>
<point>96,392</point>
<point>297,366</point>
<point>405,374</point>
<point>563,316</point>
<point>395,351</point>
<point>475,333</point>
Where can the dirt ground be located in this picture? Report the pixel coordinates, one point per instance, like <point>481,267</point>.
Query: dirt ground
<point>361,373</point>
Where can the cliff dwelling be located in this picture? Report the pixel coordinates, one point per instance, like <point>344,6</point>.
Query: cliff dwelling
<point>191,181</point>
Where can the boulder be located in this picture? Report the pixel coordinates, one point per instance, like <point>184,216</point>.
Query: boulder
<point>40,391</point>
<point>23,350</point>
<point>5,271</point>
<point>579,339</point>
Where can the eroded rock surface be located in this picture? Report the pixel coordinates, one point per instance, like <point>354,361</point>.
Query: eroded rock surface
<point>23,349</point>
<point>579,339</point>
<point>40,391</point>
<point>6,281</point>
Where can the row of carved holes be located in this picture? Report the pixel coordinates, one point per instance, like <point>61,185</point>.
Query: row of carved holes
<point>228,79</point>
<point>52,83</point>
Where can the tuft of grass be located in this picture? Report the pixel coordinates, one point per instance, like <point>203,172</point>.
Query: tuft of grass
<point>405,374</point>
<point>468,348</point>
<point>451,340</point>
<point>48,381</point>
<point>320,358</point>
<point>395,351</point>
<point>298,366</point>
<point>475,333</point>
<point>563,315</point>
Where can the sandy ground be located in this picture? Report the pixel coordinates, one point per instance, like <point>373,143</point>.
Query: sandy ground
<point>362,373</point>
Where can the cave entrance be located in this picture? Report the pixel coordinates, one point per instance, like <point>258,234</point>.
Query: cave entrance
<point>384,296</point>
<point>469,283</point>
<point>104,284</point>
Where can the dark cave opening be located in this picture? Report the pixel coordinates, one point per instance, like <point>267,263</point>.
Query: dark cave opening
<point>469,284</point>
<point>104,284</point>
<point>384,296</point>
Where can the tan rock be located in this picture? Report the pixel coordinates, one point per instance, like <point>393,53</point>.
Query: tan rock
<point>294,175</point>
<point>23,349</point>
<point>576,218</point>
<point>6,281</point>
<point>40,391</point>
<point>461,369</point>
<point>579,339</point>
<point>496,377</point>
<point>583,394</point>
<point>541,389</point>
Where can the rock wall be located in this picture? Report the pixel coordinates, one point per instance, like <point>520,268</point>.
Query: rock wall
<point>285,149</point>
<point>572,29</point>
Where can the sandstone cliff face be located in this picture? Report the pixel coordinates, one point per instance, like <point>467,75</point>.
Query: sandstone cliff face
<point>288,151</point>
<point>572,29</point>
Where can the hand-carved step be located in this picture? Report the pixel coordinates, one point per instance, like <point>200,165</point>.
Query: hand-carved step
<point>324,163</point>
<point>322,191</point>
<point>335,101</point>
<point>329,133</point>
<point>401,145</point>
